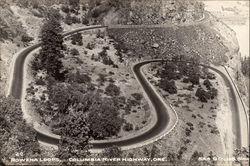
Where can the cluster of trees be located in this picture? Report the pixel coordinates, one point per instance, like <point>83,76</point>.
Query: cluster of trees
<point>204,95</point>
<point>49,57</point>
<point>16,135</point>
<point>75,137</point>
<point>104,118</point>
<point>176,69</point>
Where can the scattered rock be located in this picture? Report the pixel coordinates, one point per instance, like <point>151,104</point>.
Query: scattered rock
<point>155,45</point>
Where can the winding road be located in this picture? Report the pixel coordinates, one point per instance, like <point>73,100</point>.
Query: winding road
<point>166,115</point>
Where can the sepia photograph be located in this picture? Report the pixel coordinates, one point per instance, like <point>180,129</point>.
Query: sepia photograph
<point>124,82</point>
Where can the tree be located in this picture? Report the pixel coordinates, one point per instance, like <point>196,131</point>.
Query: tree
<point>104,118</point>
<point>75,134</point>
<point>52,46</point>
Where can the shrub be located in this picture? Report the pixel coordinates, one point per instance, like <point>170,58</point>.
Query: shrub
<point>76,39</point>
<point>112,90</point>
<point>67,19</point>
<point>185,80</point>
<point>83,78</point>
<point>26,38</point>
<point>202,95</point>
<point>128,127</point>
<point>210,76</point>
<point>71,19</point>
<point>75,20</point>
<point>168,86</point>
<point>137,96</point>
<point>100,34</point>
<point>74,52</point>
<point>40,81</point>
<point>79,78</point>
<point>207,83</point>
<point>85,21</point>
<point>107,61</point>
<point>65,9</point>
<point>194,79</point>
<point>90,46</point>
<point>213,93</point>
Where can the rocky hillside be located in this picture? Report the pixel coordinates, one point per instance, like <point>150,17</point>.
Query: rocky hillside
<point>145,11</point>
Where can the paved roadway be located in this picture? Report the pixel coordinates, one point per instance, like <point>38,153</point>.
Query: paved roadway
<point>158,104</point>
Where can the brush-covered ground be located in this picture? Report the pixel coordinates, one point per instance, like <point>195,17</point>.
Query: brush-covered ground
<point>93,65</point>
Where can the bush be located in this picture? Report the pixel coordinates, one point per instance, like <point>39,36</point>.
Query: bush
<point>194,79</point>
<point>202,95</point>
<point>75,20</point>
<point>76,39</point>
<point>100,34</point>
<point>79,78</point>
<point>71,19</point>
<point>137,96</point>
<point>85,21</point>
<point>90,46</point>
<point>40,81</point>
<point>112,90</point>
<point>213,93</point>
<point>128,127</point>
<point>210,76</point>
<point>207,83</point>
<point>26,38</point>
<point>74,52</point>
<point>65,9</point>
<point>168,86</point>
